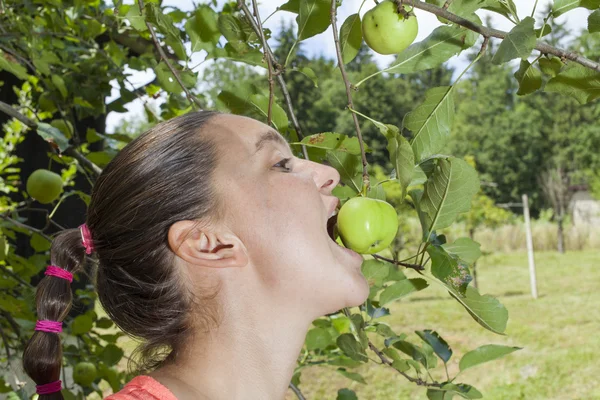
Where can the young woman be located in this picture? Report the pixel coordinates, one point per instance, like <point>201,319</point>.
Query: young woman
<point>211,244</point>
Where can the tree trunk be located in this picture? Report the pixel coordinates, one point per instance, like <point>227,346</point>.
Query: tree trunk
<point>561,234</point>
<point>474,268</point>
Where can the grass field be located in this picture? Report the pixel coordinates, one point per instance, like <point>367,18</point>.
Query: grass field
<point>559,333</point>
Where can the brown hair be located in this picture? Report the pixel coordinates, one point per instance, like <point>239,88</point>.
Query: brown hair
<point>161,177</point>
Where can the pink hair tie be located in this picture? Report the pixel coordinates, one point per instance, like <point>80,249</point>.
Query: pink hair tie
<point>53,270</point>
<point>86,239</point>
<point>48,326</point>
<point>49,387</point>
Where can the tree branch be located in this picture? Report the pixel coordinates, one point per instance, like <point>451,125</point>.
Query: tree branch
<point>70,151</point>
<point>416,267</point>
<point>543,47</point>
<point>366,180</point>
<point>297,391</point>
<point>280,81</point>
<point>385,360</point>
<point>193,99</point>
<point>267,58</point>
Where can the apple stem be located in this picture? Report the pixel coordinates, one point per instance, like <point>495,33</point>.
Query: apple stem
<point>366,180</point>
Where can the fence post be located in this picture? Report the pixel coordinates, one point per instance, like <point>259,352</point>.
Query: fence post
<point>532,278</point>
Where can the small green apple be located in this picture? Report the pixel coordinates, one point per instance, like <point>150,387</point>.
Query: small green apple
<point>388,32</point>
<point>45,186</point>
<point>84,373</point>
<point>367,225</point>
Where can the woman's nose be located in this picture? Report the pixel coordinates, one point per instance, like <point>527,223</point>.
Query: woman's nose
<point>326,177</point>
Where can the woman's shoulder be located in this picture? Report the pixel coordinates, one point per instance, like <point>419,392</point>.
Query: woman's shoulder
<point>143,387</point>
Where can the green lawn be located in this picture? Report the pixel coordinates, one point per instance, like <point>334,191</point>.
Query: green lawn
<point>559,333</point>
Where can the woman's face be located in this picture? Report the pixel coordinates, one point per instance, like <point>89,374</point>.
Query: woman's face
<point>278,206</point>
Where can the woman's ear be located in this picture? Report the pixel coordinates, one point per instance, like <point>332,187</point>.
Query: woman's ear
<point>205,246</point>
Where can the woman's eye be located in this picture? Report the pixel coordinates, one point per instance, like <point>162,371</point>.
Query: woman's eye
<point>283,164</point>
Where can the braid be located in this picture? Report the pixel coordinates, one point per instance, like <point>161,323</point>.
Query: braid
<point>42,357</point>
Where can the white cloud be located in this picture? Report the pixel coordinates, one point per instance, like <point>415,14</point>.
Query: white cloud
<point>322,44</point>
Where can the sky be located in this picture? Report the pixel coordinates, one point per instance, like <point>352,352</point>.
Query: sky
<point>323,44</point>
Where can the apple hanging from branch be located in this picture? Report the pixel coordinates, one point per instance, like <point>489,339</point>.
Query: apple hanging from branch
<point>367,225</point>
<point>388,30</point>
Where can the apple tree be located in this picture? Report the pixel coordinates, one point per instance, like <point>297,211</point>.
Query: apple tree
<point>59,57</point>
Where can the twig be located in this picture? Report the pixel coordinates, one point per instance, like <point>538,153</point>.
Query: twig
<point>17,277</point>
<point>70,151</point>
<point>366,180</point>
<point>29,228</point>
<point>385,360</point>
<point>15,327</point>
<point>193,99</point>
<point>416,267</point>
<point>280,81</point>
<point>297,391</point>
<point>269,64</point>
<point>545,48</point>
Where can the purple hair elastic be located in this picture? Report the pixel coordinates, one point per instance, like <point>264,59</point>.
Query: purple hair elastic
<point>48,326</point>
<point>49,387</point>
<point>86,239</point>
<point>53,270</point>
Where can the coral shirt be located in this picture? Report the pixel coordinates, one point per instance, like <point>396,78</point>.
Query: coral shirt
<point>143,388</point>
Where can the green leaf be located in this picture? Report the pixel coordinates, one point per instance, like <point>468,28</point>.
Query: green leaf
<point>291,6</point>
<point>547,30</point>
<point>169,83</point>
<point>437,343</point>
<point>401,156</point>
<point>203,29</point>
<point>594,22</point>
<point>352,375</point>
<point>579,82</point>
<point>9,64</point>
<point>349,166</point>
<point>562,6</point>
<point>163,22</point>
<point>449,390</point>
<point>82,324</point>
<point>484,354</point>
<point>313,18</point>
<point>318,338</point>
<point>465,249</point>
<point>60,85</point>
<point>401,289</point>
<point>448,270</point>
<point>442,44</point>
<point>448,192</point>
<point>529,78</point>
<point>251,57</point>
<point>332,141</point>
<point>111,354</point>
<point>231,28</point>
<point>375,271</point>
<point>346,394</point>
<point>351,347</point>
<point>350,37</point>
<point>506,8</point>
<point>431,122</point>
<point>104,323</point>
<point>136,20</point>
<point>486,310</point>
<point>39,243</point>
<point>550,66</point>
<point>53,135</point>
<point>411,350</point>
<point>519,42</point>
<point>278,115</point>
<point>309,73</point>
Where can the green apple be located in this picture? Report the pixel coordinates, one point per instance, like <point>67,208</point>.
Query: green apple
<point>44,186</point>
<point>388,32</point>
<point>84,373</point>
<point>367,225</point>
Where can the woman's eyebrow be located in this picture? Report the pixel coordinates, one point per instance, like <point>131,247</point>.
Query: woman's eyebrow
<point>270,136</point>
